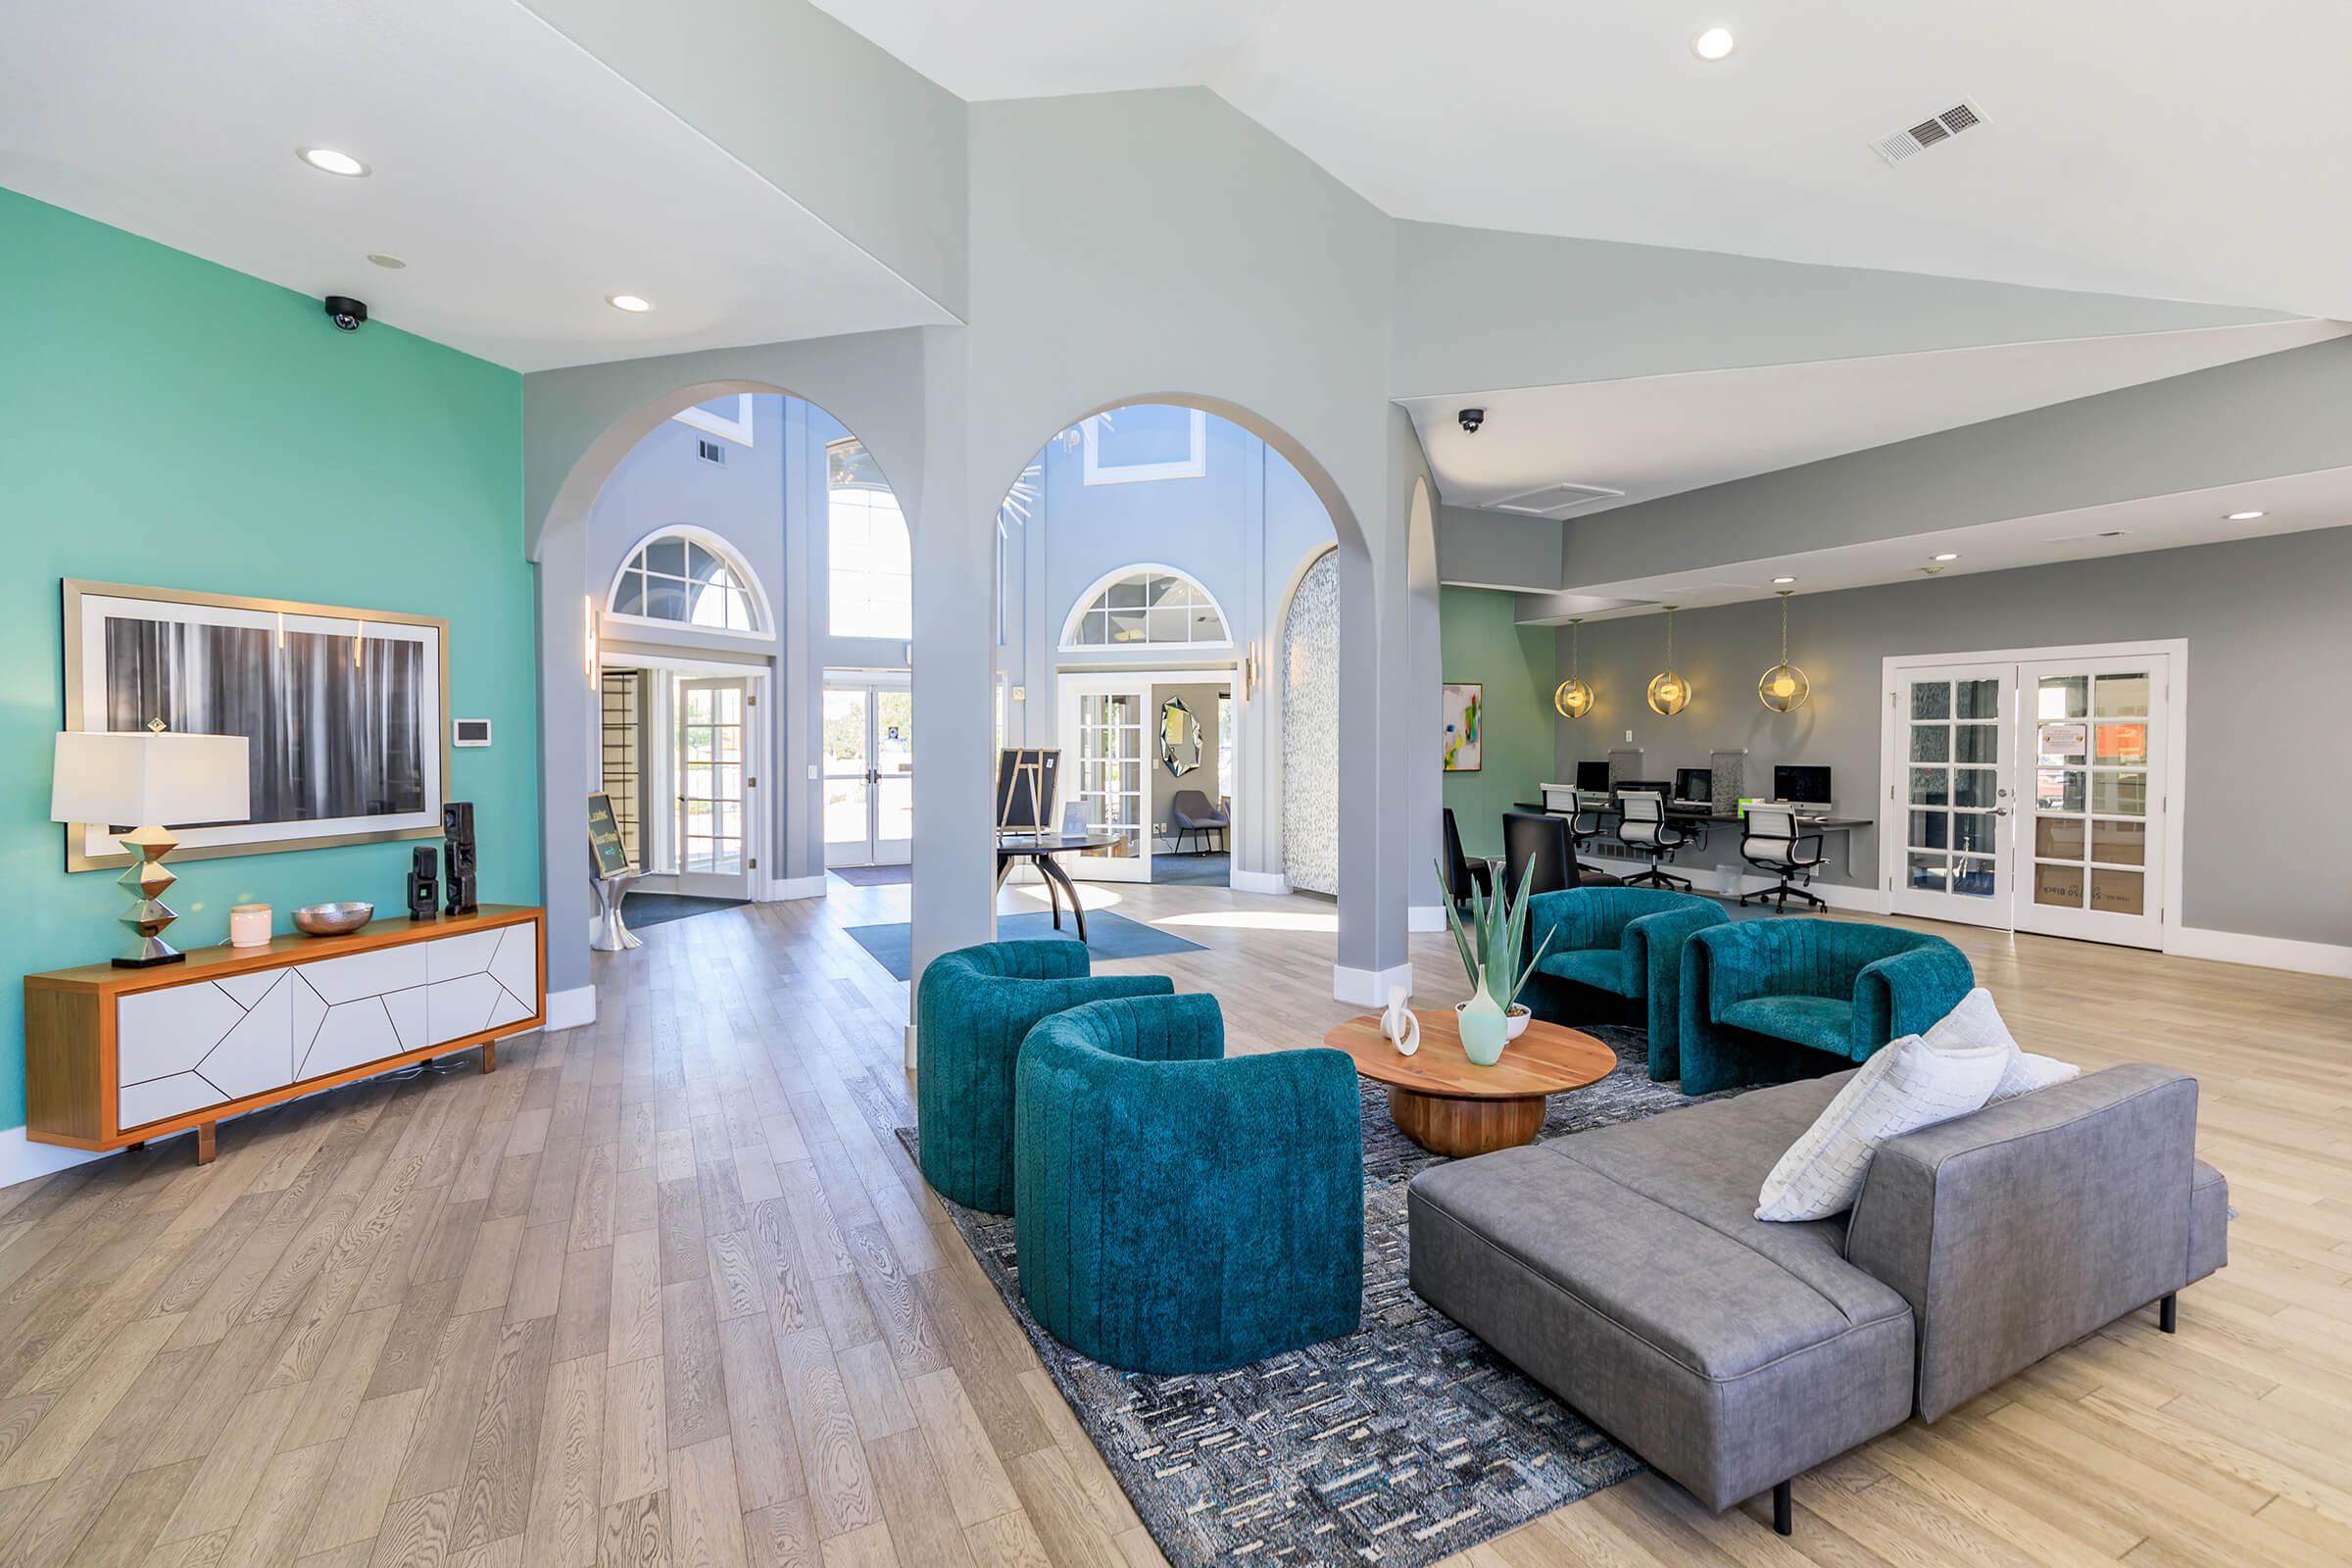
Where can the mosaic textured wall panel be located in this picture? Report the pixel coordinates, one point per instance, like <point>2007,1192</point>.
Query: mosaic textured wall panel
<point>1311,731</point>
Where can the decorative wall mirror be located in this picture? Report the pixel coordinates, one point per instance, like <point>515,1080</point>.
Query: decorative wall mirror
<point>1179,738</point>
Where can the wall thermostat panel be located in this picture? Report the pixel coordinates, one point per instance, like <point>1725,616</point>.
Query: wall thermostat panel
<point>470,732</point>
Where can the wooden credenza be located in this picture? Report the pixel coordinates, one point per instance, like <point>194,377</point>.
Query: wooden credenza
<point>117,1057</point>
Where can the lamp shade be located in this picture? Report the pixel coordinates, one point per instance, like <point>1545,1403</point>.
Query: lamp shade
<point>149,780</point>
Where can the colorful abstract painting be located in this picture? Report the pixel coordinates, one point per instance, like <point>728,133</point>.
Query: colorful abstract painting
<point>1465,719</point>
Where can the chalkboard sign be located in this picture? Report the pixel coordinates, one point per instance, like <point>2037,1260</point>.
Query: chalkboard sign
<point>1025,786</point>
<point>604,839</point>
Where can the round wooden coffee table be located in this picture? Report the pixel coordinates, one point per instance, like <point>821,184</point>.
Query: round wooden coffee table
<point>1449,1104</point>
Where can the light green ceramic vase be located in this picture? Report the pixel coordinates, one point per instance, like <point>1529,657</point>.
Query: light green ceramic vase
<point>1484,1026</point>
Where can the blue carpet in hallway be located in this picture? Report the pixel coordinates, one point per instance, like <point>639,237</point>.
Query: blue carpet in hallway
<point>1111,936</point>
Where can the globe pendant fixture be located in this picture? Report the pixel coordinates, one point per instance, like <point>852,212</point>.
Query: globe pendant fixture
<point>1669,693</point>
<point>1572,698</point>
<point>1784,687</point>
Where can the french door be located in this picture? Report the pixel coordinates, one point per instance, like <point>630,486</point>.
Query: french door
<point>869,771</point>
<point>1105,723</point>
<point>713,787</point>
<point>2028,793</point>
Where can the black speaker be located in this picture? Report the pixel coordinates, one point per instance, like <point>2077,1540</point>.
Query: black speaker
<point>457,830</point>
<point>424,886</point>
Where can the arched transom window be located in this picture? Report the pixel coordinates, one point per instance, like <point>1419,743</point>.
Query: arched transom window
<point>1147,607</point>
<point>687,576</point>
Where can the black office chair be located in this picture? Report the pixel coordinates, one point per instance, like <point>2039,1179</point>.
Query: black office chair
<point>1190,812</point>
<point>1461,872</point>
<point>1585,822</point>
<point>1643,828</point>
<point>1773,843</point>
<point>1539,839</point>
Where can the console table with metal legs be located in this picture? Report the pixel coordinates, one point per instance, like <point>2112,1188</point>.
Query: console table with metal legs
<point>1038,848</point>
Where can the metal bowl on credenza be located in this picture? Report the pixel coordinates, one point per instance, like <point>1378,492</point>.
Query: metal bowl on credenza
<point>333,920</point>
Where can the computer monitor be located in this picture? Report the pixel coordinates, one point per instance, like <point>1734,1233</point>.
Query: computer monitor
<point>1592,777</point>
<point>1800,785</point>
<point>1635,786</point>
<point>1694,784</point>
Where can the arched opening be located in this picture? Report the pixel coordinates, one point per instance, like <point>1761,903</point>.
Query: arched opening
<point>1148,557</point>
<point>699,531</point>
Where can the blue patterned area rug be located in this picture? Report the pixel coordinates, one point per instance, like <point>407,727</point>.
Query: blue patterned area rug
<point>1403,1444</point>
<point>1109,936</point>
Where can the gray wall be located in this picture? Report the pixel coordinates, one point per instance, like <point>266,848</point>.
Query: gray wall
<point>1201,697</point>
<point>2270,641</point>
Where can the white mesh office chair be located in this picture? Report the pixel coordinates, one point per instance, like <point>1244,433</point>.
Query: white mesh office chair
<point>1643,828</point>
<point>1773,843</point>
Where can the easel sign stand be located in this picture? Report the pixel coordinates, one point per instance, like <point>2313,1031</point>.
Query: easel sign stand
<point>610,875</point>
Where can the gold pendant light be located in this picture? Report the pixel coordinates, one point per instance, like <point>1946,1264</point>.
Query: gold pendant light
<point>1669,693</point>
<point>1574,699</point>
<point>1784,687</point>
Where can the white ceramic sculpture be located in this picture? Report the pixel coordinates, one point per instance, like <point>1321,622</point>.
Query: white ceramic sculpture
<point>1398,1025</point>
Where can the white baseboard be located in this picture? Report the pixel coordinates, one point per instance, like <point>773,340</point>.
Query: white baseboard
<point>1269,882</point>
<point>1858,900</point>
<point>2268,952</point>
<point>570,1009</point>
<point>1369,987</point>
<point>795,886</point>
<point>910,1046</point>
<point>1425,918</point>
<point>22,1159</point>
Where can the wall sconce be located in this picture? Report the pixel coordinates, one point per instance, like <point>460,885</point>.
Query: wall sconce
<point>1669,693</point>
<point>1784,687</point>
<point>1250,672</point>
<point>1572,698</point>
<point>588,637</point>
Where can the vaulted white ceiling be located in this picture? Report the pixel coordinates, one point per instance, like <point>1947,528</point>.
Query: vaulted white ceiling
<point>521,180</point>
<point>2165,148</point>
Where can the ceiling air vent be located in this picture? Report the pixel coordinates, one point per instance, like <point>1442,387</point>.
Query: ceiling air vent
<point>710,451</point>
<point>1555,499</point>
<point>1962,116</point>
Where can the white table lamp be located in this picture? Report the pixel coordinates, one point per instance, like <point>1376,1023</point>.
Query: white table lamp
<point>149,779</point>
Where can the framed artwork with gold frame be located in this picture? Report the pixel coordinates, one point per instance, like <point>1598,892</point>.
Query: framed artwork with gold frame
<point>346,710</point>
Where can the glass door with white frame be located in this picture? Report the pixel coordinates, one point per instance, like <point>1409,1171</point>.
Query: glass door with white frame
<point>1949,739</point>
<point>714,781</point>
<point>868,772</point>
<point>2091,862</point>
<point>1106,726</point>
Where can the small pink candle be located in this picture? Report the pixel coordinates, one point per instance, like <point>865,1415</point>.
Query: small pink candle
<point>249,925</point>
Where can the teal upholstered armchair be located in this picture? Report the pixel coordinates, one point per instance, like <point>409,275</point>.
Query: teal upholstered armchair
<point>971,1013</point>
<point>1178,1210</point>
<point>1766,1001</point>
<point>1626,942</point>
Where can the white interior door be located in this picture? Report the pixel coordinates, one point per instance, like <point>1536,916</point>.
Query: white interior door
<point>1106,727</point>
<point>2091,860</point>
<point>1951,733</point>
<point>714,781</point>
<point>868,772</point>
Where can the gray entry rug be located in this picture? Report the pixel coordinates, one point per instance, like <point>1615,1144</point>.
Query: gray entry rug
<point>1403,1444</point>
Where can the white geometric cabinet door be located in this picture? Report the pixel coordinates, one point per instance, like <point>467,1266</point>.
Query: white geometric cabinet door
<point>360,1008</point>
<point>184,1047</point>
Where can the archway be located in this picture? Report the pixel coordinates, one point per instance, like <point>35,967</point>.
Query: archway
<point>1147,556</point>
<point>592,553</point>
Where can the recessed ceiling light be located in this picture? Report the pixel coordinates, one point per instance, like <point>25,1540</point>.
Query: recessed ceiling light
<point>629,303</point>
<point>1952,554</point>
<point>2244,517</point>
<point>327,161</point>
<point>1783,579</point>
<point>1714,44</point>
<point>390,264</point>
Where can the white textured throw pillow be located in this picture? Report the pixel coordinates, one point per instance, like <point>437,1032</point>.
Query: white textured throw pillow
<point>1978,1022</point>
<point>1902,1087</point>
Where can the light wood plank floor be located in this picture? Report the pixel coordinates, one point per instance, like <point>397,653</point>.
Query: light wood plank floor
<point>657,1291</point>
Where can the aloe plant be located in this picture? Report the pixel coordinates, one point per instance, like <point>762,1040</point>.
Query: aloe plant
<point>1493,938</point>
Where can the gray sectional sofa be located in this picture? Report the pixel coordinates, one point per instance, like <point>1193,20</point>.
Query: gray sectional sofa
<point>1623,1268</point>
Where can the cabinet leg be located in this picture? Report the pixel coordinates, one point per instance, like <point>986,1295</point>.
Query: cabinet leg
<point>135,1148</point>
<point>489,1055</point>
<point>204,1142</point>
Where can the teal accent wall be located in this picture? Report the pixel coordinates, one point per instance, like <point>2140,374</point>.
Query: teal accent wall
<point>168,422</point>
<point>1479,642</point>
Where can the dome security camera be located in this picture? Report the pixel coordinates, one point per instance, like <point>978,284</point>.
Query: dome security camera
<point>346,312</point>
<point>1471,420</point>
